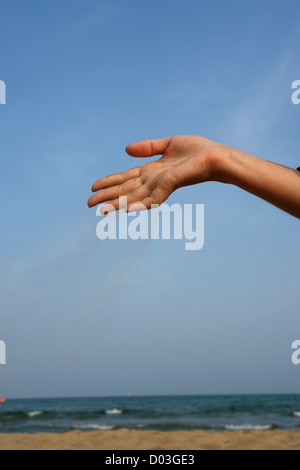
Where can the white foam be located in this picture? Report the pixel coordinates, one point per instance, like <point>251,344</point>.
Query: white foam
<point>249,427</point>
<point>114,412</point>
<point>83,427</point>
<point>297,414</point>
<point>33,414</point>
<point>95,427</point>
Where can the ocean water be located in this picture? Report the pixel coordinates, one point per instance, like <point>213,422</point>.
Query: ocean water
<point>167,413</point>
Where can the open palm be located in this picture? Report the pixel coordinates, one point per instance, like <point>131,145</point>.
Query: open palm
<point>185,160</point>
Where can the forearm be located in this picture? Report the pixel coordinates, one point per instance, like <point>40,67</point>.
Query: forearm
<point>274,183</point>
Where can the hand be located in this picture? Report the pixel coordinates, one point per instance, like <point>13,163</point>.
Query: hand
<point>185,160</point>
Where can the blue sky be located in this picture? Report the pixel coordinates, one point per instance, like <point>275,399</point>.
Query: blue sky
<point>84,79</point>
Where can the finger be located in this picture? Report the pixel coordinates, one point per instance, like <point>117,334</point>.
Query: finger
<point>137,195</point>
<point>158,196</point>
<point>148,148</point>
<point>114,192</point>
<point>116,179</point>
<point>140,206</point>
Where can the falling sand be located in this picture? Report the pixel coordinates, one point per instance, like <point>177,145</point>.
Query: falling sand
<point>60,300</point>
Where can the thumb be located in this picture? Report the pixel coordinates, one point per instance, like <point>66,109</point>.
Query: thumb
<point>148,148</point>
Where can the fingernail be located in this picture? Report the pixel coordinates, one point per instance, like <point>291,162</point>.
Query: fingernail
<point>136,207</point>
<point>104,211</point>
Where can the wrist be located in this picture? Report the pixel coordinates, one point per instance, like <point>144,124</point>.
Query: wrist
<point>222,164</point>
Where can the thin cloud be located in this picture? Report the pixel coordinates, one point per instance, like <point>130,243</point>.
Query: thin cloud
<point>262,108</point>
<point>192,94</point>
<point>74,29</point>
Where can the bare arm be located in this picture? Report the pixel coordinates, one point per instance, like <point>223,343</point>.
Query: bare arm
<point>188,160</point>
<point>274,183</point>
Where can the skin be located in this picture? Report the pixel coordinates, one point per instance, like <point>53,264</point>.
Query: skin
<point>189,160</point>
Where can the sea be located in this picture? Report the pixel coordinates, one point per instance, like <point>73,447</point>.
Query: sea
<point>161,413</point>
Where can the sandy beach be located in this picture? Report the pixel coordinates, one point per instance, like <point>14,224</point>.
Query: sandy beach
<point>125,439</point>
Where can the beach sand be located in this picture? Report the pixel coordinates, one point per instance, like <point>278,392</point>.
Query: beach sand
<point>125,439</point>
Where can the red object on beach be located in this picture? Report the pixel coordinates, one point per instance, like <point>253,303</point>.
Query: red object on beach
<point>2,400</point>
